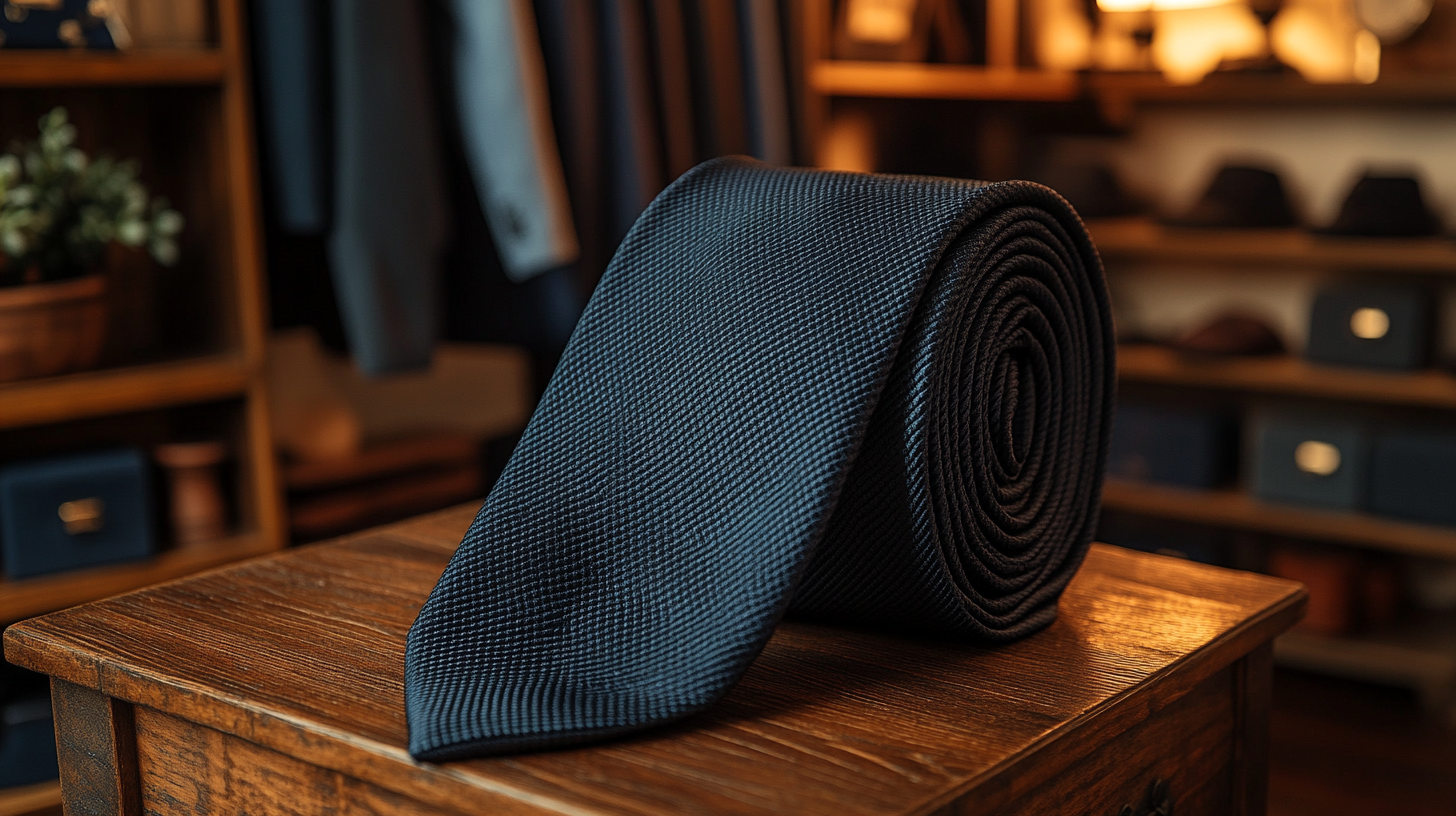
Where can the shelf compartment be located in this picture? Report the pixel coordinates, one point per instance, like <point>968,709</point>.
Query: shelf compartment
<point>37,596</point>
<point>904,80</point>
<point>1286,376</point>
<point>44,797</point>
<point>1238,510</point>
<point>1419,655</point>
<point>118,390</point>
<point>49,68</point>
<point>1141,239</point>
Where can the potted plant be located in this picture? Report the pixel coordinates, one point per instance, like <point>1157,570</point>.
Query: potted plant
<point>60,212</point>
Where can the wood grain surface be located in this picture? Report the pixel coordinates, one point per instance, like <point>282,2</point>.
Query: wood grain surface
<point>298,657</point>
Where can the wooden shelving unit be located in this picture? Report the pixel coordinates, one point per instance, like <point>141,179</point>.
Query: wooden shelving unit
<point>1286,376</point>
<point>44,798</point>
<point>133,388</point>
<point>186,115</point>
<point>916,81</point>
<point>1142,240</point>
<point>1238,510</point>
<point>37,596</point>
<point>1420,655</point>
<point>1119,94</point>
<point>60,69</point>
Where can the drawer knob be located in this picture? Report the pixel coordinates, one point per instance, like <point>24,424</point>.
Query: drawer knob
<point>1158,801</point>
<point>82,515</point>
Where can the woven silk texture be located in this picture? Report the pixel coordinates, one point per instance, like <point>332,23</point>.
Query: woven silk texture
<point>875,400</point>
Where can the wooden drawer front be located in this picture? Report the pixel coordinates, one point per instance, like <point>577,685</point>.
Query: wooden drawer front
<point>189,769</point>
<point>1189,744</point>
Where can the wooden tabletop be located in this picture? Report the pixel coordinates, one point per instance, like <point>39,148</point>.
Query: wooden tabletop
<point>303,652</point>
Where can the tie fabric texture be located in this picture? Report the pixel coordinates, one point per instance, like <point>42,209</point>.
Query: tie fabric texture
<point>880,400</point>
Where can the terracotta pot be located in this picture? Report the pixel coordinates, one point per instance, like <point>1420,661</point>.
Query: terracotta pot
<point>51,328</point>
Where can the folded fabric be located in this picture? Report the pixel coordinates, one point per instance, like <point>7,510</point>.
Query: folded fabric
<point>883,400</point>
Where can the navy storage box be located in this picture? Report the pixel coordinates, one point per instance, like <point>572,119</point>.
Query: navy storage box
<point>1310,459</point>
<point>27,742</point>
<point>1185,446</point>
<point>1370,327</point>
<point>75,511</point>
<point>1413,476</point>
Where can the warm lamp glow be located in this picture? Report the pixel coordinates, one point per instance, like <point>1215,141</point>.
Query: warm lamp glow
<point>1157,5</point>
<point>1192,42</point>
<point>1324,42</point>
<point>1124,5</point>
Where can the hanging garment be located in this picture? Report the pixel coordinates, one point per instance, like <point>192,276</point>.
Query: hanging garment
<point>768,91</point>
<point>632,134</point>
<point>288,39</point>
<point>674,85</point>
<point>571,46</point>
<point>885,400</point>
<point>716,49</point>
<point>388,212</point>
<point>505,118</point>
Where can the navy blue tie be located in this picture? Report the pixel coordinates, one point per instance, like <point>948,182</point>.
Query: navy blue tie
<point>870,399</point>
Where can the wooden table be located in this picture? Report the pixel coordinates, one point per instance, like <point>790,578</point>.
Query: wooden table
<point>275,686</point>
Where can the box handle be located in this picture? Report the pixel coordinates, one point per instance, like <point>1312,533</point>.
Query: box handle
<point>1317,458</point>
<point>1369,323</point>
<point>83,515</point>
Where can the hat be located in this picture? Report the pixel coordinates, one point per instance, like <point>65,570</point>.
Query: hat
<point>1092,189</point>
<point>1240,196</point>
<point>1231,335</point>
<point>1385,206</point>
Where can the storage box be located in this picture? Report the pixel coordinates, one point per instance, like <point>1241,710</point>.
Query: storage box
<point>1370,327</point>
<point>27,742</point>
<point>1413,475</point>
<point>75,511</point>
<point>1185,446</point>
<point>1310,459</point>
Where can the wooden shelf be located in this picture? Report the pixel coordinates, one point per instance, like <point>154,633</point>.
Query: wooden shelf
<point>1420,655</point>
<point>42,68</point>
<point>42,798</point>
<point>117,390</point>
<point>1120,93</point>
<point>1238,510</point>
<point>1285,375</point>
<point>905,80</point>
<point>1140,239</point>
<point>37,596</point>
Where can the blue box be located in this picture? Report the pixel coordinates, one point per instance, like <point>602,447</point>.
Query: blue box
<point>1311,459</point>
<point>27,742</point>
<point>1413,476</point>
<point>1384,327</point>
<point>69,25</point>
<point>1184,446</point>
<point>75,511</point>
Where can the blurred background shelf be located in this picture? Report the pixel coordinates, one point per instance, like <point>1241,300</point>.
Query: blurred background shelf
<point>118,390</point>
<point>925,81</point>
<point>1419,655</point>
<point>46,68</point>
<point>1119,94</point>
<point>44,798</point>
<point>36,596</point>
<point>1237,510</point>
<point>1141,239</point>
<point>1285,376</point>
